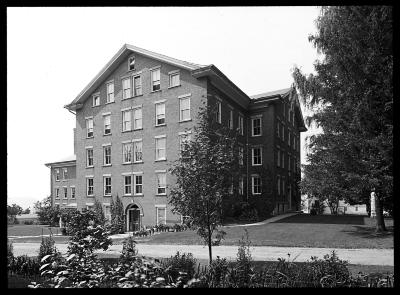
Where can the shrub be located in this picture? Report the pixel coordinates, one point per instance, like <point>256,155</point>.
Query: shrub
<point>24,265</point>
<point>47,247</point>
<point>244,211</point>
<point>129,250</point>
<point>28,222</point>
<point>16,221</point>
<point>180,264</point>
<point>10,254</point>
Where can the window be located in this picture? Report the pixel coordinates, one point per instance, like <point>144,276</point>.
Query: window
<point>89,186</point>
<point>131,63</point>
<point>160,114</point>
<point>89,127</point>
<point>138,155</point>
<point>107,185</point>
<point>72,192</point>
<point>65,192</point>
<point>160,148</point>
<point>107,155</point>
<point>126,120</point>
<point>277,129</point>
<point>283,186</point>
<point>137,81</point>
<point>174,79</point>
<point>155,80</point>
<point>127,152</point>
<point>240,123</point>
<point>128,185</point>
<point>256,156</point>
<point>138,184</point>
<point>279,185</point>
<point>184,138</point>
<point>65,173</point>
<point>107,124</point>
<point>126,88</point>
<point>293,118</point>
<point>161,183</point>
<point>230,122</point>
<point>161,215</point>
<point>241,154</point>
<point>241,185</point>
<point>288,141</point>
<point>107,212</point>
<point>256,126</point>
<point>256,184</point>
<point>57,193</point>
<point>278,158</point>
<point>230,191</point>
<point>283,132</point>
<point>57,171</point>
<point>283,159</point>
<point>184,109</point>
<point>137,118</point>
<point>89,157</point>
<point>96,100</point>
<point>289,163</point>
<point>218,113</point>
<point>110,92</point>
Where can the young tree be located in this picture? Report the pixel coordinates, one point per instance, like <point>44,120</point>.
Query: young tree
<point>204,173</point>
<point>353,89</point>
<point>47,214</point>
<point>14,210</point>
<point>98,209</point>
<point>117,215</point>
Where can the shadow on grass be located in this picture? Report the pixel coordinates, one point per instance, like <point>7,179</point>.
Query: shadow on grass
<point>323,219</point>
<point>369,232</point>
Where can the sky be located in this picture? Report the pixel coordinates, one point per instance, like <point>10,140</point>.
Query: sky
<point>54,52</point>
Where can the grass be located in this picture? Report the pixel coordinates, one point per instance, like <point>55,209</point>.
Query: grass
<point>30,230</point>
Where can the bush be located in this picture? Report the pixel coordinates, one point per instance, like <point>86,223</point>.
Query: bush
<point>180,264</point>
<point>16,221</point>
<point>47,247</point>
<point>129,250</point>
<point>244,211</point>
<point>28,222</point>
<point>24,265</point>
<point>10,252</point>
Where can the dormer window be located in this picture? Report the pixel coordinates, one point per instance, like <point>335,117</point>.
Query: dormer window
<point>96,100</point>
<point>131,63</point>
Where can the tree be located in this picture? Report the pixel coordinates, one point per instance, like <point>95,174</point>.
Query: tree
<point>352,96</point>
<point>26,211</point>
<point>98,209</point>
<point>117,215</point>
<point>47,214</point>
<point>14,210</point>
<point>204,174</point>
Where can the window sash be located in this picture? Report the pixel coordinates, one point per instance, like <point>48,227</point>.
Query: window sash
<point>161,215</point>
<point>230,123</point>
<point>57,174</point>
<point>241,155</point>
<point>137,118</point>
<point>89,186</point>
<point>65,193</point>
<point>89,157</point>
<point>96,100</point>
<point>126,88</point>
<point>256,185</point>
<point>57,193</point>
<point>107,124</point>
<point>138,85</point>
<point>89,127</point>
<point>107,155</point>
<point>131,63</point>
<point>138,184</point>
<point>256,126</point>
<point>160,148</point>
<point>155,80</point>
<point>219,110</point>
<point>126,121</point>
<point>107,185</point>
<point>72,193</point>
<point>257,156</point>
<point>240,121</point>
<point>161,183</point>
<point>184,106</point>
<point>128,185</point>
<point>160,113</point>
<point>174,79</point>
<point>138,155</point>
<point>127,152</point>
<point>110,92</point>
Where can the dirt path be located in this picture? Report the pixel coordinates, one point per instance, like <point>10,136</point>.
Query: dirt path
<point>260,253</point>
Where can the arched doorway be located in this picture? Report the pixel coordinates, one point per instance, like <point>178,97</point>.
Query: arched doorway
<point>133,220</point>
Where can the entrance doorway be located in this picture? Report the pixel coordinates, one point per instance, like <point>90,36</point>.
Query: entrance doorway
<point>133,218</point>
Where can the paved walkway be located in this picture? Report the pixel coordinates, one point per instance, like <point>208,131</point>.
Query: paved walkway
<point>269,220</point>
<point>260,253</point>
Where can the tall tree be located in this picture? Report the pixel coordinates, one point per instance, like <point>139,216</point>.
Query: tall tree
<point>352,95</point>
<point>204,174</point>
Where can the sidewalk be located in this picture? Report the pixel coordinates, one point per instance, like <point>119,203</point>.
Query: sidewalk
<point>259,253</point>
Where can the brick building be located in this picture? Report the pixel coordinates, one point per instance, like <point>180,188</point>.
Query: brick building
<point>132,117</point>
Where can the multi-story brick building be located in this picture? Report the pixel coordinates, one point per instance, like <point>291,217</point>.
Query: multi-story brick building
<point>133,116</point>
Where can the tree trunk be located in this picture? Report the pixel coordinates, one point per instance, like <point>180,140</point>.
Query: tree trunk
<point>380,221</point>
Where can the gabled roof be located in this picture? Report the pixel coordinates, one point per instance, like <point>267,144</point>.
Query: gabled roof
<point>281,92</point>
<point>123,53</point>
<point>67,160</point>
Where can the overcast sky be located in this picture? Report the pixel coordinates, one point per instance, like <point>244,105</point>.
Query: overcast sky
<point>53,53</point>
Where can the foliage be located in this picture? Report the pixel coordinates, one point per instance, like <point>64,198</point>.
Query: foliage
<point>24,265</point>
<point>204,174</point>
<point>244,211</point>
<point>14,210</point>
<point>351,95</point>
<point>117,213</point>
<point>26,211</point>
<point>180,263</point>
<point>129,250</point>
<point>47,214</point>
<point>28,222</point>
<point>10,253</point>
<point>98,209</point>
<point>47,247</point>
<point>243,269</point>
<point>317,207</point>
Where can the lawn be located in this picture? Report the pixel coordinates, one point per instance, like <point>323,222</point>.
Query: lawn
<point>303,230</point>
<point>31,230</point>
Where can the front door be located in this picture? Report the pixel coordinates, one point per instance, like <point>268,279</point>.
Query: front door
<point>133,219</point>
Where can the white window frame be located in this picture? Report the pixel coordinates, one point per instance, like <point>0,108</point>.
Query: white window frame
<point>288,138</point>
<point>277,129</point>
<point>283,132</point>
<point>73,192</point>
<point>135,152</point>
<point>164,173</point>
<point>65,173</point>
<point>65,192</point>
<point>137,87</point>
<point>126,91</point>
<point>135,111</point>
<point>230,122</point>
<point>94,96</point>
<point>252,156</point>
<point>57,193</point>
<point>88,186</point>
<point>219,111</point>
<point>241,185</point>
<point>154,82</point>
<point>157,146</point>
<point>105,178</point>
<point>110,94</point>
<point>160,207</point>
<point>127,185</point>
<point>283,159</point>
<point>278,151</point>
<point>160,115</point>
<point>130,63</point>
<point>135,174</point>
<point>181,110</point>
<point>241,124</point>
<point>253,177</point>
<point>252,126</point>
<point>174,74</point>
<point>130,155</point>
<point>105,147</point>
<point>57,175</point>
<point>126,124</point>
<point>87,156</point>
<point>88,128</point>
<point>105,116</point>
<point>107,211</point>
<point>279,184</point>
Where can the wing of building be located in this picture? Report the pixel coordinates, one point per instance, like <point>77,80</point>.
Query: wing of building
<point>130,122</point>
